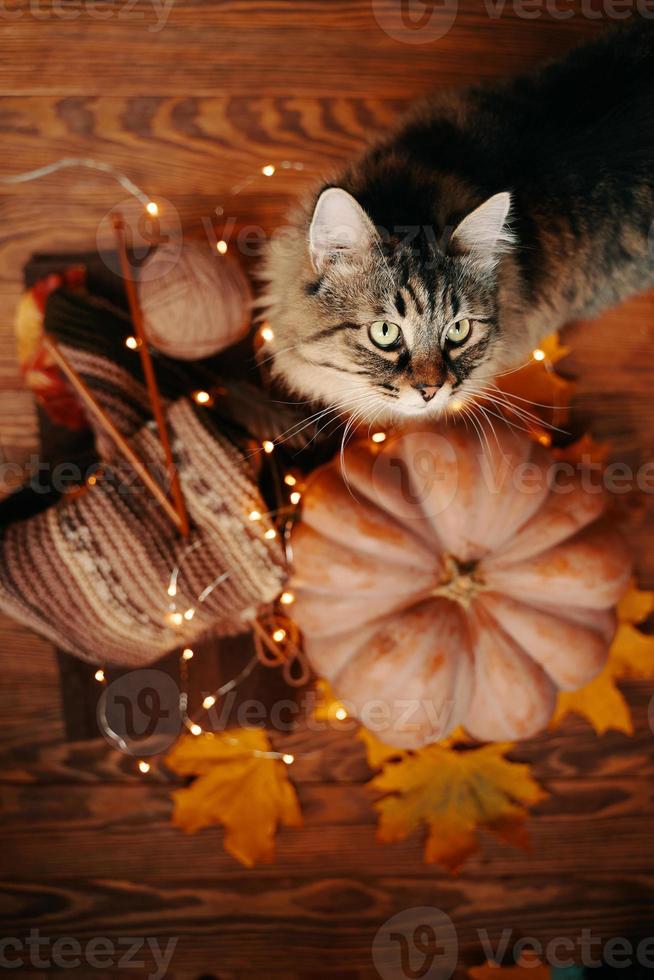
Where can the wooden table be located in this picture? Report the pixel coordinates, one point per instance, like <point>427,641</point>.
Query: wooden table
<point>88,849</point>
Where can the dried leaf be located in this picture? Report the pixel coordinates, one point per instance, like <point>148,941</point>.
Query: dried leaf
<point>453,793</point>
<point>631,656</point>
<point>601,703</point>
<point>238,785</point>
<point>635,606</point>
<point>378,752</point>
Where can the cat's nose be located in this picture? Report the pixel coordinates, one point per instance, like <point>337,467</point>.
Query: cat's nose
<point>428,391</point>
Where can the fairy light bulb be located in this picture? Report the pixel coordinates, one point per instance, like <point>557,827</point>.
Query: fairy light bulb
<point>268,446</point>
<point>538,354</point>
<point>255,515</point>
<point>208,702</point>
<point>131,343</point>
<point>152,208</point>
<point>268,170</point>
<point>99,676</point>
<point>172,590</point>
<point>379,437</point>
<point>187,654</point>
<point>340,714</point>
<point>267,334</point>
<point>144,766</point>
<point>270,534</point>
<point>288,758</point>
<point>290,480</point>
<point>279,635</point>
<point>286,598</point>
<point>174,619</point>
<point>296,497</point>
<point>195,729</point>
<point>221,247</point>
<point>202,397</point>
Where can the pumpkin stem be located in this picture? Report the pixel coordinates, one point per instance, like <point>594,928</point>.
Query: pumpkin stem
<point>460,584</point>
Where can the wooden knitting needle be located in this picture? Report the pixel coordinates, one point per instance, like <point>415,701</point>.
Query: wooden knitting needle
<point>150,378</point>
<point>118,438</point>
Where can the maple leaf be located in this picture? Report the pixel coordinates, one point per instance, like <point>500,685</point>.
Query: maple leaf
<point>452,793</point>
<point>238,784</point>
<point>378,752</point>
<point>631,656</point>
<point>600,702</point>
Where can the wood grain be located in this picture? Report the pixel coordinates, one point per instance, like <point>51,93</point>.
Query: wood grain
<point>278,46</point>
<point>189,111</point>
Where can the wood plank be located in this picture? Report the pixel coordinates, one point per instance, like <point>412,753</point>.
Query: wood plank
<point>330,921</point>
<point>276,46</point>
<point>335,756</point>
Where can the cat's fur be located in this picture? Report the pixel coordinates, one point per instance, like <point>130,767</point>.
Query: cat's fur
<point>573,146</point>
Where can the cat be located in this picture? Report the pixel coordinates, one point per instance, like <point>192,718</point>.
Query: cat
<point>491,217</point>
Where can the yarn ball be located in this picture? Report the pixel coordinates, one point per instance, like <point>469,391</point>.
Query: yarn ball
<point>195,302</point>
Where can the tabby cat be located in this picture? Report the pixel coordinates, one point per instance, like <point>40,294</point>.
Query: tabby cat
<point>489,218</point>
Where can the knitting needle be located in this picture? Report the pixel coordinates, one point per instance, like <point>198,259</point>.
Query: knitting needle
<point>89,400</point>
<point>150,378</point>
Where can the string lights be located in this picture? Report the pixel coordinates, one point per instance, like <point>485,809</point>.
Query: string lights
<point>276,637</point>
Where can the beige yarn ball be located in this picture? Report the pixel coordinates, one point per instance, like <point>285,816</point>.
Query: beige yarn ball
<point>195,302</point>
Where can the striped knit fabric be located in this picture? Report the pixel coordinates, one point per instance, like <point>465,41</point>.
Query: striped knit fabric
<point>92,573</point>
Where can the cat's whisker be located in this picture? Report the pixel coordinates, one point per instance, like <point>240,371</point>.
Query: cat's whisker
<point>486,414</point>
<point>481,432</point>
<point>260,361</point>
<point>498,399</point>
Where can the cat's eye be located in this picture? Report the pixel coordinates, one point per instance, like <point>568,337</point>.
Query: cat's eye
<point>384,334</point>
<point>458,332</point>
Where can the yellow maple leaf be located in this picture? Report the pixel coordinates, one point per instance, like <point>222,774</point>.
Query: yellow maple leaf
<point>452,793</point>
<point>239,783</point>
<point>631,656</point>
<point>601,703</point>
<point>636,605</point>
<point>378,752</point>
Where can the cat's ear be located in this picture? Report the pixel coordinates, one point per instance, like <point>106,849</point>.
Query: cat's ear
<point>483,235</point>
<point>339,226</point>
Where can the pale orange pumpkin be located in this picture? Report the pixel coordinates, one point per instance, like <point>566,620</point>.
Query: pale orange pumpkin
<point>441,585</point>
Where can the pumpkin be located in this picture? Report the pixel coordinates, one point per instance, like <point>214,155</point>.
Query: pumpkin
<point>441,585</point>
